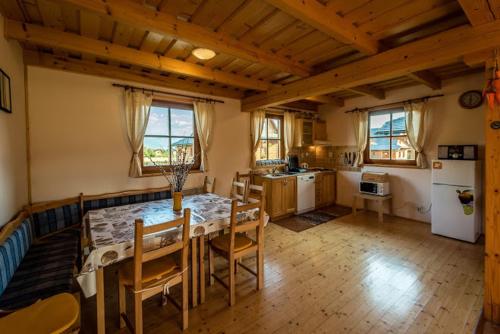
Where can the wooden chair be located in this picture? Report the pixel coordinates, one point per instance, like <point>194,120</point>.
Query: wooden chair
<point>152,270</point>
<point>239,190</point>
<point>240,177</point>
<point>56,314</point>
<point>234,245</point>
<point>209,184</point>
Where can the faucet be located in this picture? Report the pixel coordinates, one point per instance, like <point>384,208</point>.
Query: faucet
<point>273,170</point>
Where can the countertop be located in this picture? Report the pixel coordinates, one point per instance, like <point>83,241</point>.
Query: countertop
<point>284,175</point>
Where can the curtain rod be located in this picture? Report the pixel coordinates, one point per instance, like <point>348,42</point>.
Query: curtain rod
<point>394,104</point>
<point>167,93</point>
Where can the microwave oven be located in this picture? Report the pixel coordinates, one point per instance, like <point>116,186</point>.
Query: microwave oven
<point>374,188</point>
<point>457,152</point>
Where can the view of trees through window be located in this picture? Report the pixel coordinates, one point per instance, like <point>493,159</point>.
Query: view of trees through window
<point>170,128</point>
<point>388,139</point>
<point>270,144</point>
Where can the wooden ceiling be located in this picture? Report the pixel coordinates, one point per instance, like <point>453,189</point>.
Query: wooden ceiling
<point>268,52</point>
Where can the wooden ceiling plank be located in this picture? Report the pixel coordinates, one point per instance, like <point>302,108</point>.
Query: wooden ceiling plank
<point>71,42</point>
<point>369,91</point>
<point>427,78</point>
<point>90,68</point>
<point>478,11</point>
<point>10,9</point>
<point>320,17</point>
<point>136,14</point>
<point>324,99</point>
<point>441,48</point>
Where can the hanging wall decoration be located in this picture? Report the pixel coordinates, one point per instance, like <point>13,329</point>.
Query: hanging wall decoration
<point>5,92</point>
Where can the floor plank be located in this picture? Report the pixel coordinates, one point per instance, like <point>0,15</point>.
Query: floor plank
<point>350,275</point>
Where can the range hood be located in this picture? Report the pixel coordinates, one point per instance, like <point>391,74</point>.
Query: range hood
<point>322,143</point>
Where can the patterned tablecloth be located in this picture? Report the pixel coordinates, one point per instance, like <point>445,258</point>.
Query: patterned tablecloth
<point>111,230</point>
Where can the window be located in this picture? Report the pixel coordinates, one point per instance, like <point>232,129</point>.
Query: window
<point>271,142</point>
<point>387,139</point>
<point>171,127</point>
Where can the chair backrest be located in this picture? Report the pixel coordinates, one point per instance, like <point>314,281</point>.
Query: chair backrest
<point>239,190</point>
<point>15,240</point>
<point>94,202</point>
<point>255,193</point>
<point>255,223</point>
<point>142,255</point>
<point>53,216</point>
<point>240,177</point>
<point>209,184</point>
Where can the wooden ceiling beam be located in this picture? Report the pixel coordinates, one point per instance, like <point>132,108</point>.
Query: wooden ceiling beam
<point>52,38</point>
<point>138,15</point>
<point>34,58</point>
<point>477,11</point>
<point>325,19</point>
<point>442,48</point>
<point>478,58</point>
<point>369,91</point>
<point>427,78</point>
<point>326,100</point>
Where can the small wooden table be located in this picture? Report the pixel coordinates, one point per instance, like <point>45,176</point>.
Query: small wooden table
<point>379,199</point>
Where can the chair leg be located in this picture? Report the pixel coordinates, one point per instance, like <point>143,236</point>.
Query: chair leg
<point>211,265</point>
<point>122,302</point>
<point>185,301</point>
<point>232,295</point>
<point>260,269</point>
<point>138,313</point>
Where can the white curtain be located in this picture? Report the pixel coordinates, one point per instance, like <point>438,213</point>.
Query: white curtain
<point>360,122</point>
<point>257,119</point>
<point>416,124</point>
<point>289,131</point>
<point>137,107</point>
<point>204,115</point>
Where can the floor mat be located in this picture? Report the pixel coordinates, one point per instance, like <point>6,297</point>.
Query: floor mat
<point>310,219</point>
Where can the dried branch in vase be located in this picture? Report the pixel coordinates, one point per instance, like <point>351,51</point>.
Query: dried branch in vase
<point>176,174</point>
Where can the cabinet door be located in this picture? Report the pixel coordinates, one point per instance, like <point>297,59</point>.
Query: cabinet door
<point>320,130</point>
<point>307,132</point>
<point>318,190</point>
<point>289,195</point>
<point>276,198</point>
<point>329,188</point>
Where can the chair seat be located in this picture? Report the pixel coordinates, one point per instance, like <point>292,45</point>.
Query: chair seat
<point>52,315</point>
<point>152,270</point>
<point>241,242</point>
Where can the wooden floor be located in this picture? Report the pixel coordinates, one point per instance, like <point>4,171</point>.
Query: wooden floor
<point>351,275</point>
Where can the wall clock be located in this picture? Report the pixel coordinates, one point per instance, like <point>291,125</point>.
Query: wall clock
<point>471,99</point>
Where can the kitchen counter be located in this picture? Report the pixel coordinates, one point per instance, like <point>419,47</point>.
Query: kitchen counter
<point>284,175</point>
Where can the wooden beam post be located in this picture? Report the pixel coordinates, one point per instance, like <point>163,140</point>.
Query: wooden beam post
<point>136,14</point>
<point>492,210</point>
<point>53,38</point>
<point>326,100</point>
<point>427,78</point>
<point>478,11</point>
<point>369,91</point>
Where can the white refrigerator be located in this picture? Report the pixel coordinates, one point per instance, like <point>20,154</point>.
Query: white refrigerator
<point>456,199</point>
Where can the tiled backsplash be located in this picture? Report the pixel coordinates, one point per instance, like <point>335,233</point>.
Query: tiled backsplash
<point>339,157</point>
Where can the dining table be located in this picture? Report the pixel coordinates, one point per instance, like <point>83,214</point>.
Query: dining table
<point>110,235</point>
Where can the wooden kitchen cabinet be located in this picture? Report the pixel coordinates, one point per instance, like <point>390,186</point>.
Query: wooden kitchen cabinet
<point>304,132</point>
<point>320,130</point>
<point>325,189</point>
<point>281,195</point>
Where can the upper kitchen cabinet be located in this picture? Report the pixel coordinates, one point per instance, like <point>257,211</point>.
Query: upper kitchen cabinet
<point>308,130</point>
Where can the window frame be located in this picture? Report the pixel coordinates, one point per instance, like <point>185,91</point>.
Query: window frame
<point>281,138</point>
<point>196,143</point>
<point>390,162</point>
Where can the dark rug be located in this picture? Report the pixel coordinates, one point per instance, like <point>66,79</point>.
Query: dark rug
<point>310,219</point>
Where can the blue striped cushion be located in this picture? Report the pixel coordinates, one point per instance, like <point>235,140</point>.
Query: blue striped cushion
<point>53,220</point>
<point>12,252</point>
<point>124,200</point>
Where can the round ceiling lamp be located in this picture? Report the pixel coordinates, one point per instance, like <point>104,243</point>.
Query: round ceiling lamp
<point>203,54</point>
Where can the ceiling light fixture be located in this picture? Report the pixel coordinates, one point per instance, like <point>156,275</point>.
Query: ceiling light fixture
<point>203,54</point>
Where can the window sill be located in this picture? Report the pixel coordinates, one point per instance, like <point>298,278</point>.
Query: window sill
<point>153,174</point>
<point>393,166</point>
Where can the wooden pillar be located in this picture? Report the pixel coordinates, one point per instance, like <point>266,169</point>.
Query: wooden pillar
<point>492,210</point>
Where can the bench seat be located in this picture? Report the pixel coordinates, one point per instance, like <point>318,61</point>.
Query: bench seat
<point>46,270</point>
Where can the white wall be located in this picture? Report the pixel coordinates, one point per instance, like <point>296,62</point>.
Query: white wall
<point>13,184</point>
<point>79,141</point>
<point>450,124</point>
